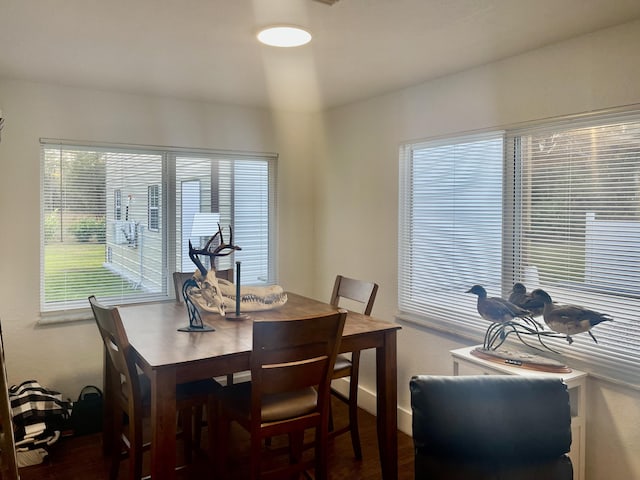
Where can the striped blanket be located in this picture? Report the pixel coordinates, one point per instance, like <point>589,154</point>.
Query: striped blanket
<point>39,414</point>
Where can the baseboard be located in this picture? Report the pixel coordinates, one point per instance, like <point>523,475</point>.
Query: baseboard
<point>367,401</point>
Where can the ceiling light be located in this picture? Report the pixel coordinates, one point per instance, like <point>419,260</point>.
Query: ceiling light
<point>284,36</point>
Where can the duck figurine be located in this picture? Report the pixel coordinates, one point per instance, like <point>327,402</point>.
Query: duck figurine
<point>569,319</point>
<point>523,299</point>
<point>495,309</point>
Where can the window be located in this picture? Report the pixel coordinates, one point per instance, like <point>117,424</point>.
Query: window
<point>125,251</point>
<point>450,227</point>
<point>569,216</point>
<point>153,200</point>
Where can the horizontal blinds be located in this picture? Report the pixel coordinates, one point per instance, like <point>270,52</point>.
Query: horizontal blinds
<point>450,227</point>
<point>95,236</point>
<point>107,215</point>
<point>578,227</point>
<point>252,204</point>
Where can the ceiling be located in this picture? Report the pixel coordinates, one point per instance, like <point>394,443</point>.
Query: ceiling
<point>206,49</point>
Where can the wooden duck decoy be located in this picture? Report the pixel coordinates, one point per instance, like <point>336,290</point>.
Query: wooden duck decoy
<point>569,319</point>
<point>523,299</point>
<point>495,309</point>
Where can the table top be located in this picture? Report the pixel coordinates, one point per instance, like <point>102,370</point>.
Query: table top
<point>152,330</point>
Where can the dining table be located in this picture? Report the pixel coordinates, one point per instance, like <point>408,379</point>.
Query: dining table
<point>169,357</point>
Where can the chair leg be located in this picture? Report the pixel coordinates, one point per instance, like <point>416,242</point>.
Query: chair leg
<point>330,414</point>
<point>255,457</point>
<point>186,420</point>
<point>197,426</point>
<point>135,447</point>
<point>353,423</point>
<point>211,427</point>
<point>116,443</point>
<point>322,439</point>
<point>221,432</point>
<point>296,441</point>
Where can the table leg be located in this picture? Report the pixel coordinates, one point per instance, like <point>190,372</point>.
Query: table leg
<point>387,397</point>
<point>163,424</point>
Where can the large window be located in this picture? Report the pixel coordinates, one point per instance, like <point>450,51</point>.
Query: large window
<point>116,222</point>
<point>566,219</point>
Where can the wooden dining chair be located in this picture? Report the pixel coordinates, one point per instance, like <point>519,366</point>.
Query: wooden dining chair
<point>180,277</point>
<point>356,293</point>
<point>130,396</point>
<point>291,366</point>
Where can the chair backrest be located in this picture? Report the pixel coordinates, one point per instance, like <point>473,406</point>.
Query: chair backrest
<point>290,355</point>
<point>354,290</point>
<point>180,277</point>
<point>491,422</point>
<point>117,346</point>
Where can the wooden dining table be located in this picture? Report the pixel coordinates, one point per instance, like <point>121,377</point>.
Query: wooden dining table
<point>170,357</point>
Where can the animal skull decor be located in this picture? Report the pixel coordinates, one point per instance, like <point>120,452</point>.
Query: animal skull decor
<point>217,295</point>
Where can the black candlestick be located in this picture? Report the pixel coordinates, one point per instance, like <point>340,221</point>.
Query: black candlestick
<point>237,315</point>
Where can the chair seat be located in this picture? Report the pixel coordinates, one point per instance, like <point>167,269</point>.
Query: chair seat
<point>343,367</point>
<point>275,408</point>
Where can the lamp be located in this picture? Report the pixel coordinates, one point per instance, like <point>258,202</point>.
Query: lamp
<point>205,224</point>
<point>284,36</point>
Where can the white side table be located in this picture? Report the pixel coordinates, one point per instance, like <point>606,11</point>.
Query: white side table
<point>464,363</point>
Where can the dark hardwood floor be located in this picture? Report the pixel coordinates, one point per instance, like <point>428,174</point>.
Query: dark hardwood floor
<point>80,458</point>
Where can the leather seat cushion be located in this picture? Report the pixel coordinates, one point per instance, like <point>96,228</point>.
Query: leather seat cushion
<point>275,407</point>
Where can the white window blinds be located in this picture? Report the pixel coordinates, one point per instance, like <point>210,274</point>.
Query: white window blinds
<point>577,227</point>
<point>450,228</point>
<point>559,210</point>
<point>116,221</point>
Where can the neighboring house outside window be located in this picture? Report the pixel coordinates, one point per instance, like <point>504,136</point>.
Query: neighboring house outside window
<point>88,247</point>
<point>117,204</point>
<point>557,208</point>
<point>153,196</point>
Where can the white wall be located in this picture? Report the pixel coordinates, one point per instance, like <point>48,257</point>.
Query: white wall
<point>358,174</point>
<point>67,356</point>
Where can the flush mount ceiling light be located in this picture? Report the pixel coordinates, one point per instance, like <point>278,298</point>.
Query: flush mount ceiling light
<point>284,36</point>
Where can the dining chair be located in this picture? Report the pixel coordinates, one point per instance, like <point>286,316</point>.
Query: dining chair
<point>356,293</point>
<point>180,277</point>
<point>130,396</point>
<point>291,366</point>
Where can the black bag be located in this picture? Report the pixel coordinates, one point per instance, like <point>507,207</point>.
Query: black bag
<point>86,414</point>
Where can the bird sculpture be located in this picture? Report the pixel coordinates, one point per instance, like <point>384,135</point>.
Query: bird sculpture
<point>495,309</point>
<point>569,319</point>
<point>523,299</point>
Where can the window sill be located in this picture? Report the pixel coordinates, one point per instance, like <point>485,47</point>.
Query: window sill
<point>65,316</point>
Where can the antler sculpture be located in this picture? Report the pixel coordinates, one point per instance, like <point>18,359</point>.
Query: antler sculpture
<point>214,294</point>
<point>213,254</point>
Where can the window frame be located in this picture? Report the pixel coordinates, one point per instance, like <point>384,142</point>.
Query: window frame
<point>170,157</point>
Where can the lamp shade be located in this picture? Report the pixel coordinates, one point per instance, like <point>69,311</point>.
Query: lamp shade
<point>205,224</point>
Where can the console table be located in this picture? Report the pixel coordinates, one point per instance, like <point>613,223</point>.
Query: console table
<point>465,363</point>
